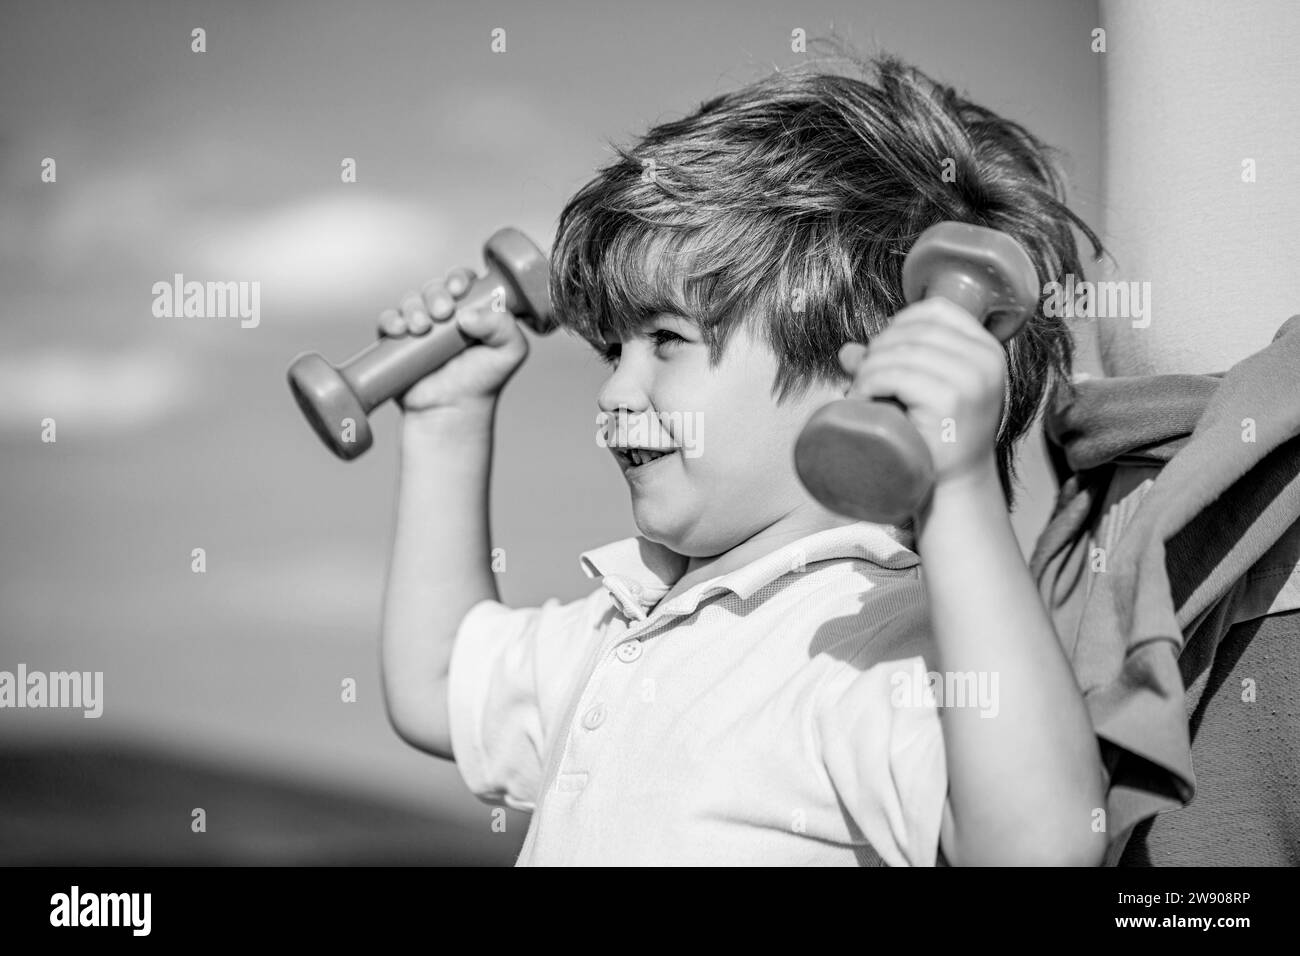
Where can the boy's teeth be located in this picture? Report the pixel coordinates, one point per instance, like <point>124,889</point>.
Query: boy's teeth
<point>640,456</point>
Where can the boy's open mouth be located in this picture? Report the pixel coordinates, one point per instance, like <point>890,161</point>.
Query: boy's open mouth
<point>637,457</point>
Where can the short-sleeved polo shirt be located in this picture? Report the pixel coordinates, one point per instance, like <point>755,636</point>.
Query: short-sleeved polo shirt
<point>754,719</point>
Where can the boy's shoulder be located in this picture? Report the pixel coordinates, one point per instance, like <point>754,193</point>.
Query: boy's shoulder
<point>867,616</point>
<point>843,589</point>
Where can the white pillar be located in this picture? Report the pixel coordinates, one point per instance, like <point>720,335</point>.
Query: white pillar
<point>1193,89</point>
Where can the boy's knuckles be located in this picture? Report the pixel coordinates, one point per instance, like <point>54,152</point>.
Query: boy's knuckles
<point>391,323</point>
<point>851,355</point>
<point>945,310</point>
<point>489,327</point>
<point>923,332</point>
<point>438,302</point>
<point>459,280</point>
<point>873,366</point>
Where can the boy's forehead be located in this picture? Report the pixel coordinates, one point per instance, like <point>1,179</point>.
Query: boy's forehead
<point>643,281</point>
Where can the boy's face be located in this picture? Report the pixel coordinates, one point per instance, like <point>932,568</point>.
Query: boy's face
<point>732,472</point>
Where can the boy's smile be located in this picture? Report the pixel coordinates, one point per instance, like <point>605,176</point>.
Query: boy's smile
<point>634,461</point>
<point>702,491</point>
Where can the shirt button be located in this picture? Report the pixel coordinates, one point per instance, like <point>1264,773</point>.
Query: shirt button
<point>629,652</point>
<point>594,717</point>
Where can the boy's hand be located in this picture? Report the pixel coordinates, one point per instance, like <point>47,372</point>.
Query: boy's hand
<point>948,370</point>
<point>476,375</point>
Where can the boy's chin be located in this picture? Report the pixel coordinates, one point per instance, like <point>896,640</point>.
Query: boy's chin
<point>653,531</point>
<point>656,526</point>
<point>674,533</point>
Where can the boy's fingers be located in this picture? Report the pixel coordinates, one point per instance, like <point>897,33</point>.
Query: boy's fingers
<point>928,337</point>
<point>438,301</point>
<point>914,387</point>
<point>459,281</point>
<point>947,367</point>
<point>947,313</point>
<point>490,328</point>
<point>932,334</point>
<point>415,314</point>
<point>391,323</point>
<point>851,356</point>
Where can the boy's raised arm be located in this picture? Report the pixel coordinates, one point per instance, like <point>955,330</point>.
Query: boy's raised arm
<point>1024,784</point>
<point>441,545</point>
<point>440,566</point>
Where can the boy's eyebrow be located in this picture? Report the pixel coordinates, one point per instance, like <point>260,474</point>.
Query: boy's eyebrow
<point>669,317</point>
<point>642,323</point>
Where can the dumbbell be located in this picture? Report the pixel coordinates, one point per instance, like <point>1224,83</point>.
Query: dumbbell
<point>336,401</point>
<point>864,458</point>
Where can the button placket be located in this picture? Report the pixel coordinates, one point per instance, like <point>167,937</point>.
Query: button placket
<point>596,713</point>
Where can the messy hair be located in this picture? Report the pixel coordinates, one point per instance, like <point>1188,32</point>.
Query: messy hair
<point>791,203</point>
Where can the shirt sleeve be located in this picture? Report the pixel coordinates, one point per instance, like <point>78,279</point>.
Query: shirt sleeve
<point>507,687</point>
<point>881,741</point>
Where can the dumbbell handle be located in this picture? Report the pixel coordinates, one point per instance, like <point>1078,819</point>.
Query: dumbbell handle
<point>336,401</point>
<point>390,366</point>
<point>962,289</point>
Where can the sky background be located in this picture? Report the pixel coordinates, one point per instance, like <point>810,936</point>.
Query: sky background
<point>176,433</point>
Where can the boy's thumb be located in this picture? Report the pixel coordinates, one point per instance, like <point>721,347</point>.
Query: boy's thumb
<point>489,327</point>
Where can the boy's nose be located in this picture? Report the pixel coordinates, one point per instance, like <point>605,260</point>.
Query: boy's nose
<point>626,388</point>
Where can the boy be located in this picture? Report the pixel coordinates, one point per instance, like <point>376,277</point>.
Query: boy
<point>748,685</point>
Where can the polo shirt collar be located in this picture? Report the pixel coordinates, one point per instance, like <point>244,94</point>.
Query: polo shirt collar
<point>638,572</point>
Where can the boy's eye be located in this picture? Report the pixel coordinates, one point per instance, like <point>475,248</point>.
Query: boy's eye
<point>609,353</point>
<point>665,337</point>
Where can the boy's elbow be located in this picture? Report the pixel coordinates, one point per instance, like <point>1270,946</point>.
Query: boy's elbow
<point>1046,850</point>
<point>1064,844</point>
<point>1069,838</point>
<point>1082,852</point>
<point>1090,853</point>
<point>1071,826</point>
<point>1040,853</point>
<point>423,725</point>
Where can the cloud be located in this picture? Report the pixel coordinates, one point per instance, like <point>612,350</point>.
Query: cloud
<point>86,390</point>
<point>310,253</point>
